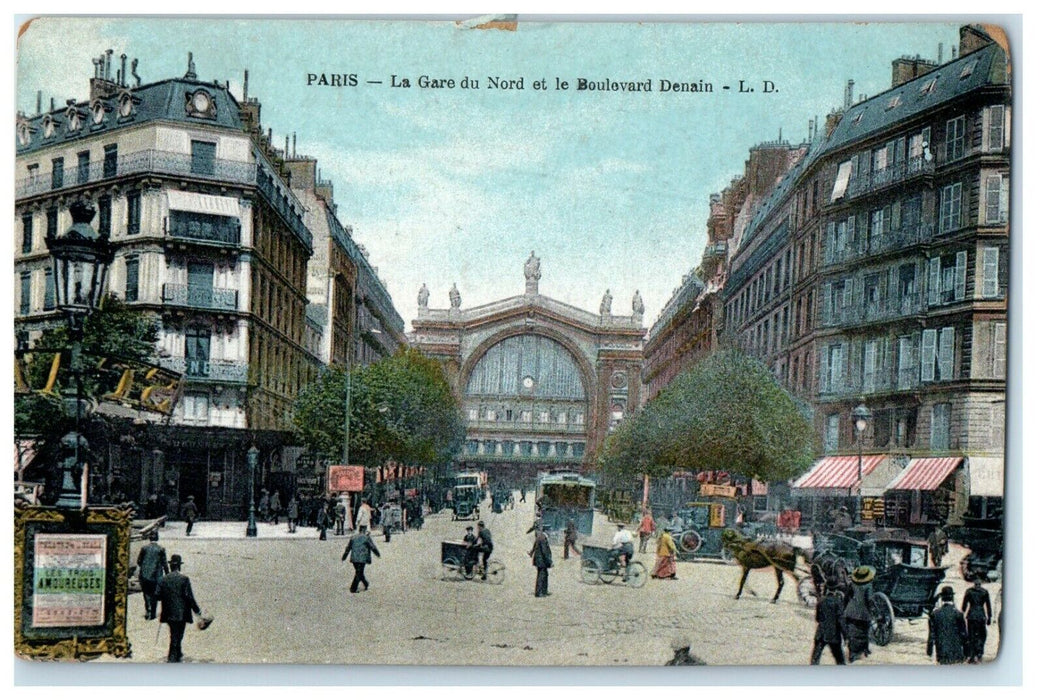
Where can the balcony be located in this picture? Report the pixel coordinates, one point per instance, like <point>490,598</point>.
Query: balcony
<point>884,310</point>
<point>514,427</point>
<point>886,177</point>
<point>197,297</point>
<point>204,229</point>
<point>884,243</point>
<point>147,161</point>
<point>883,381</point>
<point>217,371</point>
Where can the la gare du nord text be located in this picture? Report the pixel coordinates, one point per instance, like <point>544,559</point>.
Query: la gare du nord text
<point>519,83</point>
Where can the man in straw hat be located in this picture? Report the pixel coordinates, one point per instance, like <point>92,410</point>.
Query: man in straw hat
<point>947,634</point>
<point>178,604</point>
<point>857,613</point>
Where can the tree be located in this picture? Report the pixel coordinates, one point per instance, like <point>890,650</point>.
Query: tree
<point>726,413</point>
<point>402,409</point>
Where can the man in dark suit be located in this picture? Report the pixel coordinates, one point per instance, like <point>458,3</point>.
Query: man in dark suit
<point>541,554</point>
<point>175,593</point>
<point>830,626</point>
<point>979,614</point>
<point>152,565</point>
<point>484,545</point>
<point>359,548</point>
<point>189,512</point>
<point>947,633</point>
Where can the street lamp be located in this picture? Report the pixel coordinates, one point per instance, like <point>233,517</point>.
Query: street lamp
<point>860,419</point>
<point>348,402</point>
<point>252,466</point>
<point>81,258</point>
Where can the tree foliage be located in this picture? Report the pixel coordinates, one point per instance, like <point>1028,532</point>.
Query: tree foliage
<point>402,409</point>
<point>726,413</point>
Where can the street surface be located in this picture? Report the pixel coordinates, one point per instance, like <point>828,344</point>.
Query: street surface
<point>284,599</point>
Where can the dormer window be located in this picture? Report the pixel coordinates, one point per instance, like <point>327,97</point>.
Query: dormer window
<point>97,112</point>
<point>24,134</point>
<point>969,68</point>
<point>857,118</point>
<point>73,120</point>
<point>894,102</point>
<point>126,105</point>
<point>200,104</point>
<point>928,86</point>
<point>48,126</point>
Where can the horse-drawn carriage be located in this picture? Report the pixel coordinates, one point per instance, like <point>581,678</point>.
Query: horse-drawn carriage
<point>904,583</point>
<point>603,564</point>
<point>466,503</point>
<point>985,538</point>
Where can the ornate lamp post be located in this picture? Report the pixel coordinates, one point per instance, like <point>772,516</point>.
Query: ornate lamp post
<point>252,453</point>
<point>81,258</point>
<point>860,420</point>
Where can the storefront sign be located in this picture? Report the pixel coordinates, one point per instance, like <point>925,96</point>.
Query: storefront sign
<point>717,490</point>
<point>345,478</point>
<point>68,580</point>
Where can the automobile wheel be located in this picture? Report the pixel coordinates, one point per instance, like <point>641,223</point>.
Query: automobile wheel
<point>690,541</point>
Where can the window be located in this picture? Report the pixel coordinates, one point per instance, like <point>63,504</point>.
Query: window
<point>473,414</point>
<point>940,439</point>
<point>990,272</point>
<point>52,222</point>
<point>994,127</point>
<point>928,86</point>
<point>203,153</point>
<point>907,288</point>
<point>83,167</point>
<point>907,369</point>
<point>133,212</point>
<point>197,406</point>
<point>937,354</point>
<point>997,199</point>
<point>105,214</point>
<point>27,233</point>
<point>950,208</point>
<point>1000,350</point>
<point>57,173</point>
<point>131,288</point>
<point>109,164</point>
<point>869,365</point>
<point>921,144</point>
<point>836,371</point>
<point>48,289</point>
<point>27,290</point>
<point>955,139</point>
<point>881,426</point>
<point>832,432</point>
<point>947,278</point>
<point>872,296</point>
<point>34,173</point>
<point>197,352</point>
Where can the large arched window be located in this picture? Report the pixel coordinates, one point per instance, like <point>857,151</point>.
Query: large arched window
<point>527,366</point>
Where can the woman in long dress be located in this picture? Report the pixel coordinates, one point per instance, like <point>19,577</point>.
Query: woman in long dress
<point>666,552</point>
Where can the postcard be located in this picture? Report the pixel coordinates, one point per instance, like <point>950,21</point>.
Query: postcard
<point>498,342</point>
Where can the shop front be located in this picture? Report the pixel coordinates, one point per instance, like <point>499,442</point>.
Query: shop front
<point>930,492</point>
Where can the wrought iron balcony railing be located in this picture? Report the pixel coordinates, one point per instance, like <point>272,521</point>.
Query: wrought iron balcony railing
<point>199,297</point>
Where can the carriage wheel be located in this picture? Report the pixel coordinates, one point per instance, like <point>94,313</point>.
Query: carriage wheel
<point>636,574</point>
<point>589,570</point>
<point>450,568</point>
<point>690,541</point>
<point>882,619</point>
<point>495,573</point>
<point>608,574</point>
<point>807,593</point>
<point>726,555</point>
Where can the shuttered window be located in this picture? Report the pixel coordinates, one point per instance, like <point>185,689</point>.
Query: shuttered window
<point>1000,350</point>
<point>950,208</point>
<point>996,199</point>
<point>990,272</point>
<point>928,355</point>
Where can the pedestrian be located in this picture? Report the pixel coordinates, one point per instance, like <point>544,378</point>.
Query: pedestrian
<point>262,506</point>
<point>938,546</point>
<point>857,613</point>
<point>189,512</point>
<point>484,544</point>
<point>470,555</point>
<point>623,544</point>
<point>947,633</point>
<point>175,592</point>
<point>522,498</point>
<point>363,516</point>
<point>569,540</point>
<point>645,530</point>
<point>682,656</point>
<point>359,548</point>
<point>978,614</point>
<point>666,556</point>
<point>322,519</point>
<point>292,514</point>
<point>152,566</point>
<point>541,556</point>
<point>340,513</point>
<point>830,626</point>
<point>275,506</point>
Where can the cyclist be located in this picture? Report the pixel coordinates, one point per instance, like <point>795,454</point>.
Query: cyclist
<point>623,541</point>
<point>484,545</point>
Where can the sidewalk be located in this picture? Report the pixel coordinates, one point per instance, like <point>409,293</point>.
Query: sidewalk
<point>236,529</point>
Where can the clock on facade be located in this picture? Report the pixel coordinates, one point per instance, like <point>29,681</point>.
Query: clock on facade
<point>527,383</point>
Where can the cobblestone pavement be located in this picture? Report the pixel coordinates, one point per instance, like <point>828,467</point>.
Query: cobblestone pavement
<point>282,599</point>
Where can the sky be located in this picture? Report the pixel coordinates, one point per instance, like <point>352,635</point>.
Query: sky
<point>457,186</point>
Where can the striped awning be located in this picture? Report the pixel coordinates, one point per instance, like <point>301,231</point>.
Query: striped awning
<point>203,203</point>
<point>924,474</point>
<point>840,472</point>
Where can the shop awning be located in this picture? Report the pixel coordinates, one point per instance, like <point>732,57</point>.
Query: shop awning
<point>925,474</point>
<point>840,472</point>
<point>203,203</point>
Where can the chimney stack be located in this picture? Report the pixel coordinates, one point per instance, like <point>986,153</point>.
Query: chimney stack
<point>123,70</point>
<point>39,101</point>
<point>295,144</point>
<point>810,131</point>
<point>905,69</point>
<point>848,93</point>
<point>246,83</point>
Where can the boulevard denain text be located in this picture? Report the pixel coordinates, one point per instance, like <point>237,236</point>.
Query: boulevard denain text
<point>520,83</point>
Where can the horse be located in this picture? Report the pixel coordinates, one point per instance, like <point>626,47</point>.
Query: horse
<point>759,554</point>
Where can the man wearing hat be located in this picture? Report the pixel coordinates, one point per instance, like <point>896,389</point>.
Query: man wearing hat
<point>978,613</point>
<point>623,543</point>
<point>472,554</point>
<point>152,565</point>
<point>359,548</point>
<point>175,593</point>
<point>484,545</point>
<point>947,634</point>
<point>189,513</point>
<point>857,613</point>
<point>541,556</point>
